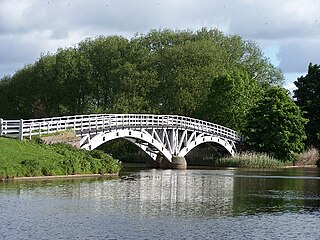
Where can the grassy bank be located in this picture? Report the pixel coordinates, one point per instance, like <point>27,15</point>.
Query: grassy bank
<point>249,160</point>
<point>28,158</point>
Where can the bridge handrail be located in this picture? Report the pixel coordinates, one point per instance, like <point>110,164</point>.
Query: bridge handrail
<point>94,123</point>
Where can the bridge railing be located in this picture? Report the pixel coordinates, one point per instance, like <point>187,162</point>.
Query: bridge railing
<point>95,123</point>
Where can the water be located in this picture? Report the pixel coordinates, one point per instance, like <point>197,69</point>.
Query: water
<point>166,204</point>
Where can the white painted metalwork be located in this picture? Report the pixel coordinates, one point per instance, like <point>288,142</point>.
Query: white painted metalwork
<point>167,135</point>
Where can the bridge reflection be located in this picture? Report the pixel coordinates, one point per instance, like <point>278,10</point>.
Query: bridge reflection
<point>185,193</point>
<point>163,192</point>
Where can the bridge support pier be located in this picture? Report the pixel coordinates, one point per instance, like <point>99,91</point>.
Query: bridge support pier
<point>176,163</point>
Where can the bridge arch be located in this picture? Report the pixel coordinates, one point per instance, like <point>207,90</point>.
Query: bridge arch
<point>207,139</point>
<point>143,139</point>
<point>132,136</point>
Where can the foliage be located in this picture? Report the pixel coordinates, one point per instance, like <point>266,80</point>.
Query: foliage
<point>307,97</point>
<point>27,158</point>
<point>249,160</point>
<point>275,125</point>
<point>164,71</point>
<point>230,97</point>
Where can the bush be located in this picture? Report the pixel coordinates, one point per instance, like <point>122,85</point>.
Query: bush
<point>81,161</point>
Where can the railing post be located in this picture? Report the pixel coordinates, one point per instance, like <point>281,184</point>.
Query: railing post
<point>96,125</point>
<point>1,127</point>
<point>21,129</point>
<point>74,124</point>
<point>81,126</point>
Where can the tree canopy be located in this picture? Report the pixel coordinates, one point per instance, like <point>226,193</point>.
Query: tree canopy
<point>275,125</point>
<point>204,74</point>
<point>307,97</point>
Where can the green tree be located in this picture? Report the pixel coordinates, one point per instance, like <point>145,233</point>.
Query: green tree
<point>74,73</point>
<point>230,98</point>
<point>275,125</point>
<point>44,92</point>
<point>107,55</point>
<point>22,92</point>
<point>244,53</point>
<point>307,97</point>
<point>184,74</point>
<point>5,106</point>
<point>138,80</point>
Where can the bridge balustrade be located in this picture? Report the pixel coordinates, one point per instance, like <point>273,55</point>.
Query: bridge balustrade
<point>95,123</point>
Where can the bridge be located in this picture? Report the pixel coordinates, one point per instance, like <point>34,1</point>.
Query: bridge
<point>165,138</point>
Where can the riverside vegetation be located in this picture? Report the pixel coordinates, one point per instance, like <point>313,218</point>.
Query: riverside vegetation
<point>249,160</point>
<point>31,158</point>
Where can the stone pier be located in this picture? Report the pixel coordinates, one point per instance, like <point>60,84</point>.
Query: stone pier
<point>177,162</point>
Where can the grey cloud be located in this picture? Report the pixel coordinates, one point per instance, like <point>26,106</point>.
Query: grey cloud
<point>271,19</point>
<point>17,49</point>
<point>296,56</point>
<point>275,20</point>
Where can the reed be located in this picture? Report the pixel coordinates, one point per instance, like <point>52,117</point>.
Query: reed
<point>308,157</point>
<point>249,160</point>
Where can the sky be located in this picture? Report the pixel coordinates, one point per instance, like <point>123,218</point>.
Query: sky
<point>288,31</point>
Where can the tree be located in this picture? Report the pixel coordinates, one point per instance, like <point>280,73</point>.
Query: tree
<point>138,79</point>
<point>106,55</point>
<point>275,125</point>
<point>307,97</point>
<point>22,92</point>
<point>188,63</point>
<point>230,98</point>
<point>44,92</point>
<point>5,106</point>
<point>73,76</point>
<point>244,53</point>
<point>184,73</point>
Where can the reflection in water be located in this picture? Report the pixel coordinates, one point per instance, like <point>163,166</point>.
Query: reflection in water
<point>164,204</point>
<point>154,193</point>
<point>171,192</point>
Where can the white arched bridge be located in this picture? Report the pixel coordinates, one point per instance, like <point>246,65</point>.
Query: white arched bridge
<point>165,138</point>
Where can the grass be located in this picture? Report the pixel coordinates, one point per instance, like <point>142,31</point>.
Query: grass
<point>249,160</point>
<point>29,158</point>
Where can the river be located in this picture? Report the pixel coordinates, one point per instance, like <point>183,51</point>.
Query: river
<point>166,204</point>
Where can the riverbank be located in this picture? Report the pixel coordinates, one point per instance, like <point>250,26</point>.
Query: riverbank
<point>32,159</point>
<point>106,175</point>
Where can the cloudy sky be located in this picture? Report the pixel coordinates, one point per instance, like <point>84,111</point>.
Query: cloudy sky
<point>288,31</point>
